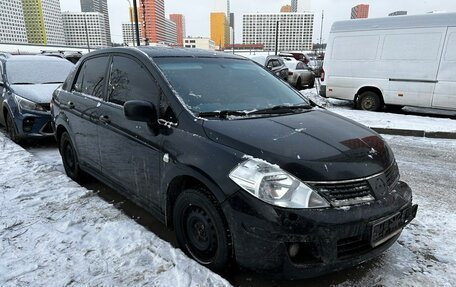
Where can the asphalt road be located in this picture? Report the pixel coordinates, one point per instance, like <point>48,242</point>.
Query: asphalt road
<point>418,259</point>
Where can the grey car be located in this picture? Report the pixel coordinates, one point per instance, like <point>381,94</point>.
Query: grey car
<point>273,63</point>
<point>299,74</point>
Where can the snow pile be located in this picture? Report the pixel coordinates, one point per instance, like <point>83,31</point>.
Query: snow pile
<point>383,120</point>
<point>55,233</point>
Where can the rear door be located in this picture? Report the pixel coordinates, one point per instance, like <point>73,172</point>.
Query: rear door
<point>130,152</point>
<point>445,90</point>
<point>83,108</point>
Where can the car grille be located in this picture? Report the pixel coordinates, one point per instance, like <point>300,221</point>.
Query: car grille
<point>344,191</point>
<point>355,191</point>
<point>392,176</point>
<point>352,246</point>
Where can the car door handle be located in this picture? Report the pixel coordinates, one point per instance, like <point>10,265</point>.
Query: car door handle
<point>105,119</point>
<point>70,105</point>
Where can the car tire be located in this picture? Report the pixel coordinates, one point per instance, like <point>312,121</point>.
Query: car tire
<point>311,84</point>
<point>201,230</point>
<point>70,158</point>
<point>299,84</point>
<point>369,101</point>
<point>11,129</point>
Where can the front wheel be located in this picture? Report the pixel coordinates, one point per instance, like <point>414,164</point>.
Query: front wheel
<point>11,129</point>
<point>369,101</point>
<point>201,230</point>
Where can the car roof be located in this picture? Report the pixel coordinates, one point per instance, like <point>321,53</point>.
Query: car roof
<point>30,58</point>
<point>159,52</point>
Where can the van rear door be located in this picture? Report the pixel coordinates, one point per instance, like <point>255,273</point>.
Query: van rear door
<point>445,90</point>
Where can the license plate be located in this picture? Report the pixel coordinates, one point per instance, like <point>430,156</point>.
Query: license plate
<point>386,229</point>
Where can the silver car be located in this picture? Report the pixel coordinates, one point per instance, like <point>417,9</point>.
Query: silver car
<point>299,74</point>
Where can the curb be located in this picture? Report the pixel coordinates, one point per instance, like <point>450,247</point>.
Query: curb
<point>415,133</point>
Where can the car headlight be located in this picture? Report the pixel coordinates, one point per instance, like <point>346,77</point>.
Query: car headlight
<point>271,184</point>
<point>25,104</point>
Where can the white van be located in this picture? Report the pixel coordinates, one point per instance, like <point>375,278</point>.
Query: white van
<point>393,61</point>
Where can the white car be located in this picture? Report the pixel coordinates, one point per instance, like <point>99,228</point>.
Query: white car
<point>299,74</point>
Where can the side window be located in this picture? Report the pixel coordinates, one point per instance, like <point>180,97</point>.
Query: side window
<point>300,66</point>
<point>276,63</point>
<point>131,81</point>
<point>92,77</point>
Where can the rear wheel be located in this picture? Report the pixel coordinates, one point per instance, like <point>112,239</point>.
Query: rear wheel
<point>11,129</point>
<point>201,230</point>
<point>299,84</point>
<point>311,84</point>
<point>70,158</point>
<point>369,101</point>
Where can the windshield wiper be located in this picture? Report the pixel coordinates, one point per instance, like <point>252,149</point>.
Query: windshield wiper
<point>281,109</point>
<point>45,83</point>
<point>24,83</point>
<point>222,114</point>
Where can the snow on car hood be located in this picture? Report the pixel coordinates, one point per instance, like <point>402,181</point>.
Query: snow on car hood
<point>38,93</point>
<point>316,145</point>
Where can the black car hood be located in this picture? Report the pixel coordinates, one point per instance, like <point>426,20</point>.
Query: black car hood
<point>314,146</point>
<point>38,93</point>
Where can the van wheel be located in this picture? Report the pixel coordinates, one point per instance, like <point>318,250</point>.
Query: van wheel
<point>70,158</point>
<point>11,129</point>
<point>369,101</point>
<point>201,230</point>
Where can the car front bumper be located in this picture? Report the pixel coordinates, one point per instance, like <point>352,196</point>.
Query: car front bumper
<point>296,244</point>
<point>32,124</point>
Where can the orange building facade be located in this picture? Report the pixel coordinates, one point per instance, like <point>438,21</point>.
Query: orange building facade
<point>285,9</point>
<point>152,18</point>
<point>220,30</point>
<point>360,11</point>
<point>179,20</point>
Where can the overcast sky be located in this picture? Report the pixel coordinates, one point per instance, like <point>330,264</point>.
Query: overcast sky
<point>197,12</point>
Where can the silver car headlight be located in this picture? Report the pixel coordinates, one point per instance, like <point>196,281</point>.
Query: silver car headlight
<point>25,104</point>
<point>271,184</point>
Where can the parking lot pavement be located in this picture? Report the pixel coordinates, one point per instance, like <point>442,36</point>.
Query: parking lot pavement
<point>430,123</point>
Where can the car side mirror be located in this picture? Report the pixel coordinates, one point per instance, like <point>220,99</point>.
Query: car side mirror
<point>77,88</point>
<point>142,111</point>
<point>269,67</point>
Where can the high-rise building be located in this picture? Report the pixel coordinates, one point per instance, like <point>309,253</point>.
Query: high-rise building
<point>301,6</point>
<point>285,9</point>
<point>152,17</point>
<point>170,33</point>
<point>220,23</point>
<point>360,11</point>
<point>43,22</point>
<point>84,29</point>
<point>179,19</point>
<point>295,30</point>
<point>398,13</point>
<point>100,6</point>
<point>129,33</point>
<point>220,29</point>
<point>12,24</point>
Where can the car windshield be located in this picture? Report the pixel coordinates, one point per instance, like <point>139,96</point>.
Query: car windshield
<point>37,71</point>
<point>218,84</point>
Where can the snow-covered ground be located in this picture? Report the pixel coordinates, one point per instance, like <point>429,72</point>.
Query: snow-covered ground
<point>383,120</point>
<point>56,233</point>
